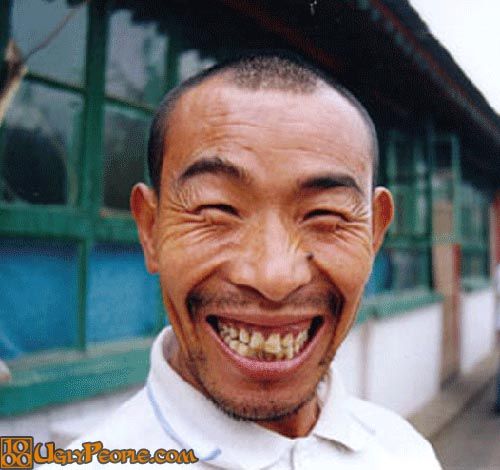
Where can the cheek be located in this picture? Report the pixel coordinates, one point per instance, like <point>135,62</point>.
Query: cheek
<point>347,260</point>
<point>188,252</point>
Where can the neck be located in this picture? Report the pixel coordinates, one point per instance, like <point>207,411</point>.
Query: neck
<point>297,424</point>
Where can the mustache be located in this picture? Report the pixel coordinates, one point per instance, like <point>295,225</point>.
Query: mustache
<point>199,299</point>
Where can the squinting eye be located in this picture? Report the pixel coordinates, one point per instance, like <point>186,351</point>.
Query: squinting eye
<point>226,208</point>
<point>318,213</point>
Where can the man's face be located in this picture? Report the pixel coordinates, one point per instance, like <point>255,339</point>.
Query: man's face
<point>263,237</point>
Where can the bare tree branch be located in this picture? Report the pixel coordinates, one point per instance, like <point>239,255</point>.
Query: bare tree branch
<point>59,27</point>
<point>13,74</point>
<point>14,64</point>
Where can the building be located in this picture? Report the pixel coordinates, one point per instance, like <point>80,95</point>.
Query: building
<point>78,310</point>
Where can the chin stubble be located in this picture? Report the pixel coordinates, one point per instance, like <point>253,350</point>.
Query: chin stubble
<point>274,411</point>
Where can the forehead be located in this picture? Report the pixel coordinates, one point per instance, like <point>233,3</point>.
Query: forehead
<point>320,128</point>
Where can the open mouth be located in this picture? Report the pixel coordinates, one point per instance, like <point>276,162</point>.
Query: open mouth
<point>263,343</point>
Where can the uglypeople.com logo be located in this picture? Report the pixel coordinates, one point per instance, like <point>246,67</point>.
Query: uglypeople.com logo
<point>20,452</point>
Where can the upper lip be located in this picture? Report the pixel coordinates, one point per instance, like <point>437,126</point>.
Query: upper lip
<point>267,319</point>
<point>247,307</point>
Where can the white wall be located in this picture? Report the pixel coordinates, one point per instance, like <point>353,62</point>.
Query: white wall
<point>477,328</point>
<point>404,359</point>
<point>350,360</point>
<point>64,423</point>
<point>395,361</point>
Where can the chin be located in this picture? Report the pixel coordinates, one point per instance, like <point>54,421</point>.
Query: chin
<point>266,406</point>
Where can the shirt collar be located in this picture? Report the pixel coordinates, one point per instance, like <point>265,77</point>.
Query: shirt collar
<point>336,421</point>
<point>195,422</point>
<point>200,425</point>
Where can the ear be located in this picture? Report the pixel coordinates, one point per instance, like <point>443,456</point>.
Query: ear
<point>383,213</point>
<point>144,205</point>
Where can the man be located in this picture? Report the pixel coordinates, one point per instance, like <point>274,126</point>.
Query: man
<point>262,222</point>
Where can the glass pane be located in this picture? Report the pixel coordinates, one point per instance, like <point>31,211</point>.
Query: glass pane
<point>380,279</point>
<point>403,210</point>
<point>125,146</point>
<point>466,270</point>
<point>442,178</point>
<point>192,61</point>
<point>38,296</point>
<point>64,56</point>
<point>39,161</point>
<point>122,297</point>
<point>135,67</point>
<point>407,171</point>
<point>421,215</point>
<point>408,268</point>
<point>404,161</point>
<point>475,265</point>
<point>475,216</point>
<point>397,269</point>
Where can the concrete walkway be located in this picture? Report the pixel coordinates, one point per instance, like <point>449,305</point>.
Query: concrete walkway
<point>471,441</point>
<point>455,397</point>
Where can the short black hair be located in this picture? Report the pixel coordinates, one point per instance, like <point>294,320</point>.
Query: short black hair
<point>276,70</point>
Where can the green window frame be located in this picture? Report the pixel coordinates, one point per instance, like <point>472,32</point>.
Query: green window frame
<point>88,369</point>
<point>446,182</point>
<point>406,171</point>
<point>475,224</point>
<point>466,207</point>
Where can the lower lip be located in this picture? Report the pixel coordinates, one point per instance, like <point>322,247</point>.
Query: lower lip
<point>263,370</point>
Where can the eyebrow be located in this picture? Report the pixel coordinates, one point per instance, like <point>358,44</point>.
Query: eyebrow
<point>329,181</point>
<point>213,166</point>
<point>216,165</point>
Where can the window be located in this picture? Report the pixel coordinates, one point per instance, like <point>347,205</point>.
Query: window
<point>31,273</point>
<point>41,146</point>
<point>131,95</point>
<point>445,189</point>
<point>40,138</point>
<point>403,262</point>
<point>125,141</point>
<point>401,274</point>
<point>141,44</point>
<point>77,308</point>
<point>475,234</point>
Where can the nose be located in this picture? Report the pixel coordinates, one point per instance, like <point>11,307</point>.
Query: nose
<point>270,261</point>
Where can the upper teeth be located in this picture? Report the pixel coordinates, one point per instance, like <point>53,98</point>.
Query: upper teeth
<point>253,344</point>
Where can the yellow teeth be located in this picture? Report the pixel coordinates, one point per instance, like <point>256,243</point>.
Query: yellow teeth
<point>244,336</point>
<point>253,343</point>
<point>257,341</point>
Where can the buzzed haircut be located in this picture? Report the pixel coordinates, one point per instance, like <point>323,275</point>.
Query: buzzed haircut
<point>282,71</point>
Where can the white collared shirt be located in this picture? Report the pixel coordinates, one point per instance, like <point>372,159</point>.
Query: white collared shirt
<point>350,433</point>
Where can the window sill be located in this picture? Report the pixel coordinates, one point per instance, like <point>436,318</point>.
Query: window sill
<point>397,303</point>
<point>63,377</point>
<point>474,284</point>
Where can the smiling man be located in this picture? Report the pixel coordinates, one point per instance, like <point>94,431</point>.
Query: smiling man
<point>263,222</point>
